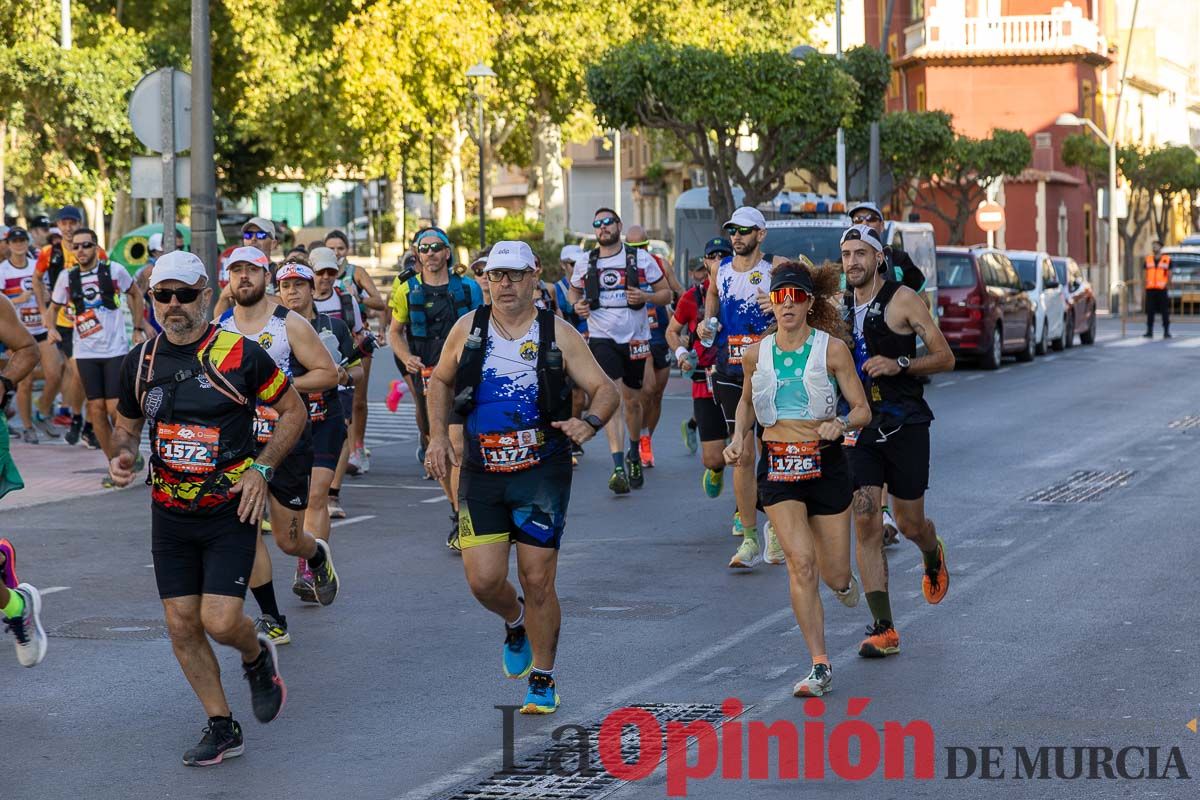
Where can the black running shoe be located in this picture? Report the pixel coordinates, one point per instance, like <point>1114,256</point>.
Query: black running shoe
<point>222,739</point>
<point>636,479</point>
<point>73,433</point>
<point>89,438</point>
<point>267,689</point>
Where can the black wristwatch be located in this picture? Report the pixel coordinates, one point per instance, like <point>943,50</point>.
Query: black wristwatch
<point>904,362</point>
<point>594,421</point>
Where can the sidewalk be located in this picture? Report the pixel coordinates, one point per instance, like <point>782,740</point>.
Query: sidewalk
<point>54,470</point>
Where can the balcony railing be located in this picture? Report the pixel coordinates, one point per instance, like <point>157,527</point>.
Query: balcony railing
<point>1064,28</point>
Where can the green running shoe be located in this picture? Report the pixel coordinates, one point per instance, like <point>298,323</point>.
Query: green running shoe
<point>713,483</point>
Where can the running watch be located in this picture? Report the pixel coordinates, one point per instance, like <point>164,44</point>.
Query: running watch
<point>904,362</point>
<point>594,421</point>
<point>262,469</point>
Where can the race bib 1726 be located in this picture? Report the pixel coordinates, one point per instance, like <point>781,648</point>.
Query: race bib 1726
<point>793,461</point>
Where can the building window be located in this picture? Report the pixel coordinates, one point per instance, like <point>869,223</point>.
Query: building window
<point>881,8</point>
<point>916,10</point>
<point>893,54</point>
<point>1089,238</point>
<point>1089,100</point>
<point>920,97</point>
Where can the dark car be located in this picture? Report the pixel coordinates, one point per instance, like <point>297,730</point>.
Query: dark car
<point>1184,289</point>
<point>984,313</point>
<point>1081,302</point>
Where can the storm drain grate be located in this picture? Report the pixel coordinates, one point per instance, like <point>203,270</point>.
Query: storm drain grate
<point>1185,423</point>
<point>553,773</point>
<point>119,628</point>
<point>1083,486</point>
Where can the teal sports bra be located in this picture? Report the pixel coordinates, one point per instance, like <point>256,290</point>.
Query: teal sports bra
<point>791,396</point>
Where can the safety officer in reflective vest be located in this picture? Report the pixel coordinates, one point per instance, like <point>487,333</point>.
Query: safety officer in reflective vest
<point>1158,277</point>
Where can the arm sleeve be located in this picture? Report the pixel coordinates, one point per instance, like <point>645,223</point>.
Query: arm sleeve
<point>127,402</point>
<point>263,374</point>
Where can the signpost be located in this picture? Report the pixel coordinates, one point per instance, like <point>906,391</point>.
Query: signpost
<point>990,218</point>
<point>160,111</point>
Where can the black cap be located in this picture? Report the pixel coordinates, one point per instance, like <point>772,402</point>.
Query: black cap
<point>717,245</point>
<point>40,221</point>
<point>792,275</point>
<point>16,233</point>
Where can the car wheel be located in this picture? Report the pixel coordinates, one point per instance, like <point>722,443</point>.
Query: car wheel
<point>1026,353</point>
<point>1069,336</point>
<point>992,358</point>
<point>1089,336</point>
<point>1041,348</point>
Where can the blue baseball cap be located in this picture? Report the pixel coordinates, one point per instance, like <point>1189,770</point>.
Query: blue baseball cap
<point>717,245</point>
<point>70,212</point>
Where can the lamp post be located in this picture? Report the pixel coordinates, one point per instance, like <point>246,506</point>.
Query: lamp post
<point>1073,121</point>
<point>476,75</point>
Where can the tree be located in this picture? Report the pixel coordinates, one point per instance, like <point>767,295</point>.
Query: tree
<point>710,101</point>
<point>1173,172</point>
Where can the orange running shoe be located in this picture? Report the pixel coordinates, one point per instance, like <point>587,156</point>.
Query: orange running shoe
<point>935,584</point>
<point>646,451</point>
<point>881,641</point>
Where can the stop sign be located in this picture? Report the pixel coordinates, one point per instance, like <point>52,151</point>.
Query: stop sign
<point>989,216</point>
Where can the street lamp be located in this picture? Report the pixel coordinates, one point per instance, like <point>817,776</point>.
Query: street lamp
<point>1073,121</point>
<point>476,75</point>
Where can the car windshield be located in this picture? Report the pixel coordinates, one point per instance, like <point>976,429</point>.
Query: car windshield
<point>818,244</point>
<point>955,272</point>
<point>1060,269</point>
<point>1185,265</point>
<point>1027,269</point>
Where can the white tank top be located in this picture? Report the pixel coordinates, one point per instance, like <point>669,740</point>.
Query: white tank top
<point>273,337</point>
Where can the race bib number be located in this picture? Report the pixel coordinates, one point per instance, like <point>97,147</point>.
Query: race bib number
<point>509,452</point>
<point>316,406</point>
<point>88,324</point>
<point>850,438</point>
<point>187,448</point>
<point>31,317</point>
<point>264,423</point>
<point>738,345</point>
<point>426,374</point>
<point>638,349</point>
<point>793,461</point>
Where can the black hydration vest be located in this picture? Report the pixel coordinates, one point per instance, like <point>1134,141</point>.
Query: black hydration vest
<point>554,391</point>
<point>895,399</point>
<point>591,283</point>
<point>108,290</point>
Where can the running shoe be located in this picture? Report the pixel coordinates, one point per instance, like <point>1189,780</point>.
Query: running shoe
<point>29,436</point>
<point>713,483</point>
<point>882,640</point>
<point>138,462</point>
<point>89,438</point>
<point>273,629</point>
<point>891,533</point>
<point>818,682</point>
<point>576,449</point>
<point>774,553</point>
<point>542,697</point>
<point>421,454</point>
<point>364,459</point>
<point>518,654</point>
<point>691,436</point>
<point>265,522</point>
<point>27,628</point>
<point>222,739</point>
<point>618,483</point>
<point>45,425</point>
<point>452,538</point>
<point>303,585</point>
<point>352,463</point>
<point>850,595</point>
<point>108,483</point>
<point>267,689</point>
<point>636,479</point>
<point>738,529</point>
<point>62,420</point>
<point>8,570</point>
<point>360,462</point>
<point>73,432</point>
<point>325,578</point>
<point>936,583</point>
<point>747,555</point>
<point>646,450</point>
<point>335,509</point>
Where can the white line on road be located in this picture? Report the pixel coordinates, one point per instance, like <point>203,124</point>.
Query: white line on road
<point>438,499</point>
<point>53,589</point>
<point>352,520</point>
<point>1127,342</point>
<point>1003,370</point>
<point>1193,341</point>
<point>973,377</point>
<point>431,487</point>
<point>946,383</point>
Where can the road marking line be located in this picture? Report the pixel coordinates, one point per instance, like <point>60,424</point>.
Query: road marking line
<point>352,485</point>
<point>53,589</point>
<point>1003,370</point>
<point>352,520</point>
<point>1191,342</point>
<point>1127,342</point>
<point>946,383</point>
<point>982,543</point>
<point>440,498</point>
<point>776,673</point>
<point>973,377</point>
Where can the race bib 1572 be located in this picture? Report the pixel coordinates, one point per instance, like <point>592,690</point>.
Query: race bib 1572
<point>188,448</point>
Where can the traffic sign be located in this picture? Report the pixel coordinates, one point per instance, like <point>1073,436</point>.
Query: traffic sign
<point>146,110</point>
<point>989,216</point>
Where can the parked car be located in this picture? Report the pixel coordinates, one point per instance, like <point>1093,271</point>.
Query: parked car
<point>984,312</point>
<point>1191,240</point>
<point>1040,282</point>
<point>1184,289</point>
<point>1081,302</point>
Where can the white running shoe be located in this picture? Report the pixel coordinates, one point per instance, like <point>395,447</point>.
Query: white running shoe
<point>774,553</point>
<point>27,628</point>
<point>849,596</point>
<point>818,682</point>
<point>747,555</point>
<point>891,532</point>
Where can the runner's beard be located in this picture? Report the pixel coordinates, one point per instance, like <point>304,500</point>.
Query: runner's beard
<point>252,299</point>
<point>607,239</point>
<point>183,323</point>
<point>744,248</point>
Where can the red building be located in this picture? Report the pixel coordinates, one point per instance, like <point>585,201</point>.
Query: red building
<point>1014,64</point>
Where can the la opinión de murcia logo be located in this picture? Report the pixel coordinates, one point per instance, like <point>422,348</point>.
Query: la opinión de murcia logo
<point>631,744</point>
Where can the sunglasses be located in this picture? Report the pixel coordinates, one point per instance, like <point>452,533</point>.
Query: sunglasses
<point>784,293</point>
<point>603,221</point>
<point>185,295</point>
<point>860,219</point>
<point>718,255</point>
<point>739,230</point>
<point>248,235</point>
<point>83,245</point>
<point>433,247</point>
<point>513,275</point>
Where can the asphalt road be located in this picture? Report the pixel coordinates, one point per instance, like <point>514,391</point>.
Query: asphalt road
<point>1066,624</point>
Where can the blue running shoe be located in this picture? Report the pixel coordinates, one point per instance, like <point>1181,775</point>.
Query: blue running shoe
<point>713,483</point>
<point>542,697</point>
<point>518,655</point>
<point>691,436</point>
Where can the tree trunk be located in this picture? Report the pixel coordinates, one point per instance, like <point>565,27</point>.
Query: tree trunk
<point>554,195</point>
<point>459,136</point>
<point>396,203</point>
<point>3,163</point>
<point>535,180</point>
<point>122,216</point>
<point>445,199</point>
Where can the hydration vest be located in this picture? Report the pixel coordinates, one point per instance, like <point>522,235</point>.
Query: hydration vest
<point>1158,275</point>
<point>591,283</point>
<point>554,391</point>
<point>347,303</point>
<point>108,290</point>
<point>895,399</point>
<point>418,326</point>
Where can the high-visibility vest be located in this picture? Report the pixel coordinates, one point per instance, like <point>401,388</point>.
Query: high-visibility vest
<point>1158,275</point>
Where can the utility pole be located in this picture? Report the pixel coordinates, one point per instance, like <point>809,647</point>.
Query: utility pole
<point>617,171</point>
<point>874,156</point>
<point>204,176</point>
<point>66,24</point>
<point>841,132</point>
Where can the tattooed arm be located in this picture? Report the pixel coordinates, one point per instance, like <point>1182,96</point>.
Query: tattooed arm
<point>907,313</point>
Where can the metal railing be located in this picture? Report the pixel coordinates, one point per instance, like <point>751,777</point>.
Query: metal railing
<point>1064,27</point>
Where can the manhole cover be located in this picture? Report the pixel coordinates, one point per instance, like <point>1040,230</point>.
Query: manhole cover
<point>554,772</point>
<point>603,608</point>
<point>119,628</point>
<point>1083,486</point>
<point>1185,423</point>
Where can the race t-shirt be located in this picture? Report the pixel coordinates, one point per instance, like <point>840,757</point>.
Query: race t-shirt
<point>331,306</point>
<point>688,313</point>
<point>338,340</point>
<point>99,331</point>
<point>51,262</point>
<point>17,285</point>
<point>615,319</point>
<point>197,431</point>
<point>743,322</point>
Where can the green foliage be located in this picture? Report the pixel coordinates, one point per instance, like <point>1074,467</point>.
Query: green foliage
<point>513,228</point>
<point>871,71</point>
<point>914,144</point>
<point>1090,154</point>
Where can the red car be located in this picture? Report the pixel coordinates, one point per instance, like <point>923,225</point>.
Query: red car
<point>1081,302</point>
<point>983,312</point>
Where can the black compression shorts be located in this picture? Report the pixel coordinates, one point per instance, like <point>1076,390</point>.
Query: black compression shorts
<point>526,507</point>
<point>828,494</point>
<point>897,457</point>
<point>211,553</point>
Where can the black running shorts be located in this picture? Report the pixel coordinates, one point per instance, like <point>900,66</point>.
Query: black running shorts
<point>897,457</point>
<point>328,436</point>
<point>101,377</point>
<point>289,485</point>
<point>211,553</point>
<point>66,340</point>
<point>660,353</point>
<point>728,392</point>
<point>613,357</point>
<point>710,420</point>
<point>828,494</point>
<point>526,507</point>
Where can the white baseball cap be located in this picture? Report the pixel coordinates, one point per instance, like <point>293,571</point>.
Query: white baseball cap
<point>292,269</point>
<point>571,252</point>
<point>864,233</point>
<point>748,217</point>
<point>323,258</point>
<point>865,206</point>
<point>510,255</point>
<point>178,265</point>
<point>155,242</point>
<point>262,223</point>
<point>251,255</point>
